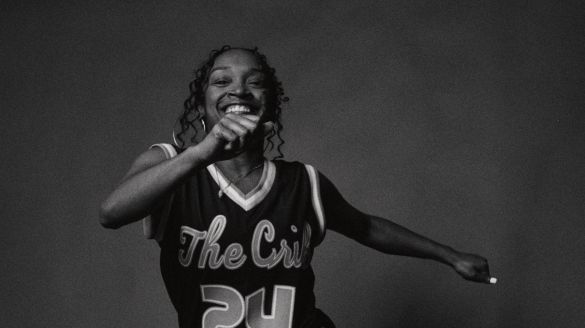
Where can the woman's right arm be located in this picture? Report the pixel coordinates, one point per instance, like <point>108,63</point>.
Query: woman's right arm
<point>152,177</point>
<point>149,180</point>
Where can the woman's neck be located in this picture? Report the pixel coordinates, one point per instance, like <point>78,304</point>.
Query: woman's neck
<point>241,164</point>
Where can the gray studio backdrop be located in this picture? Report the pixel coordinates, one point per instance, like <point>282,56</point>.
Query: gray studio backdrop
<point>462,120</point>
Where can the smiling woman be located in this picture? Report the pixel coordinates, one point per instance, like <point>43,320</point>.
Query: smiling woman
<point>210,73</point>
<point>224,260</point>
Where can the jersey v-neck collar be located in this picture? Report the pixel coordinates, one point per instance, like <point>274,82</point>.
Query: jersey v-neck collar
<point>252,198</point>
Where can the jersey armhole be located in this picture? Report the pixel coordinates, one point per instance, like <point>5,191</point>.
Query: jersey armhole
<point>316,200</point>
<point>154,225</point>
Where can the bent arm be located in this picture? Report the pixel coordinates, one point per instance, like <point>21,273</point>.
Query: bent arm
<point>150,179</point>
<point>391,238</point>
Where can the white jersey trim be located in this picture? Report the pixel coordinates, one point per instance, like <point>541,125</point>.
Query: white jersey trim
<point>154,225</point>
<point>316,198</point>
<point>168,149</point>
<point>252,198</point>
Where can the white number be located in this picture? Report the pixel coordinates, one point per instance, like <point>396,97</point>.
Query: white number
<point>232,307</point>
<point>282,308</point>
<point>231,310</point>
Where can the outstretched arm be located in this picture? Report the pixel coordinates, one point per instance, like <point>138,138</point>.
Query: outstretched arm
<point>391,238</point>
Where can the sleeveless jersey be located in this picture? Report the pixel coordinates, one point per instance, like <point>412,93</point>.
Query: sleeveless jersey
<point>235,260</point>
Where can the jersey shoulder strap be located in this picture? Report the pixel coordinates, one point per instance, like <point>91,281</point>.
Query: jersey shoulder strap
<point>316,199</point>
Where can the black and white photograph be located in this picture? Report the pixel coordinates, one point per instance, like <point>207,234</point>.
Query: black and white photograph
<point>293,164</point>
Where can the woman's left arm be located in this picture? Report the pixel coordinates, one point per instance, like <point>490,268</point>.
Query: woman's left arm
<point>391,238</point>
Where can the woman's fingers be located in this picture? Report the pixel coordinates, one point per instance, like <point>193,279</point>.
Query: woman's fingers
<point>475,268</point>
<point>243,124</point>
<point>236,130</point>
<point>250,122</point>
<point>481,276</point>
<point>235,133</point>
<point>224,133</point>
<point>484,274</point>
<point>238,125</point>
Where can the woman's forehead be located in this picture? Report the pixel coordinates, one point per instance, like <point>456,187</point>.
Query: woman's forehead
<point>237,57</point>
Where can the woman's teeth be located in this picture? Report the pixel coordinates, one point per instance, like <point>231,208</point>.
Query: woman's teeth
<point>237,109</point>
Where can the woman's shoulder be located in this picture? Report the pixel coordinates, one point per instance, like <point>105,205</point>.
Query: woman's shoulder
<point>292,164</point>
<point>294,168</point>
<point>288,165</point>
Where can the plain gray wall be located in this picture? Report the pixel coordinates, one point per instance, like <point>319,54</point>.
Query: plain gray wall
<point>462,120</point>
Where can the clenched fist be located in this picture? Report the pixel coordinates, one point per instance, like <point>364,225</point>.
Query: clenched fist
<point>474,268</point>
<point>232,135</point>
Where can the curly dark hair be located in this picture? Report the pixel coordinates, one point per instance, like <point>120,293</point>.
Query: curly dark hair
<point>191,116</point>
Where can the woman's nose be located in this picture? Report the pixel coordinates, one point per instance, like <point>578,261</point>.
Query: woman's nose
<point>239,90</point>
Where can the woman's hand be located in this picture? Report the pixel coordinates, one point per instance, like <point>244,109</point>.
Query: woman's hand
<point>473,267</point>
<point>232,135</point>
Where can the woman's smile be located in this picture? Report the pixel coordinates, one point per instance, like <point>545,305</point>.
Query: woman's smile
<point>237,109</point>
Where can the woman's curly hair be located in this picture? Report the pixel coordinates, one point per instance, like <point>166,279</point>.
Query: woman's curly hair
<point>190,117</point>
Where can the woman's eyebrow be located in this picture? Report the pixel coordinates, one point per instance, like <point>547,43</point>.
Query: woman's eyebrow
<point>218,68</point>
<point>254,70</point>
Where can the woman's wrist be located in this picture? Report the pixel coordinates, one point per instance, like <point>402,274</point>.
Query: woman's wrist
<point>198,157</point>
<point>448,256</point>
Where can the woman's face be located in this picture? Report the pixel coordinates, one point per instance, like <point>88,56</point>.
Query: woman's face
<point>236,85</point>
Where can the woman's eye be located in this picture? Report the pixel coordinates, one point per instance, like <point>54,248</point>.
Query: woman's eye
<point>256,83</point>
<point>220,82</point>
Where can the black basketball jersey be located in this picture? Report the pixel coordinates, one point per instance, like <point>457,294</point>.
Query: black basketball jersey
<point>235,260</point>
